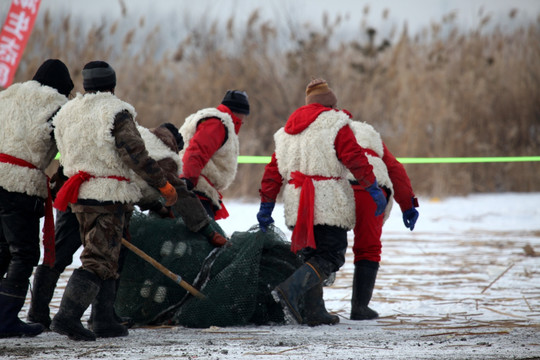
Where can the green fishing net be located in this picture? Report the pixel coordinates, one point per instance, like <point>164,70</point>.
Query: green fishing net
<point>236,280</point>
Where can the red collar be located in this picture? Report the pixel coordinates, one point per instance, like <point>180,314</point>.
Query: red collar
<point>236,121</point>
<point>304,116</point>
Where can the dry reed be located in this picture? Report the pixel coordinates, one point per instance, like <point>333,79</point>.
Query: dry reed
<point>437,94</point>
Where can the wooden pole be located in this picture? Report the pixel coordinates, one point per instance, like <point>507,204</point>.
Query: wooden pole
<point>174,277</point>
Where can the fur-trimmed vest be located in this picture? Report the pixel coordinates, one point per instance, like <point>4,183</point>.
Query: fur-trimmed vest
<point>221,168</point>
<point>26,134</point>
<point>369,138</point>
<point>83,133</point>
<point>157,151</point>
<point>312,152</point>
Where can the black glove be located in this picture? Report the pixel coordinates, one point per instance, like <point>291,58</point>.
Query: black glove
<point>189,184</point>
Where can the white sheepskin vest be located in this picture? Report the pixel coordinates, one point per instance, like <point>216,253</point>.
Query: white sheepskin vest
<point>26,134</point>
<point>157,151</point>
<point>312,152</point>
<point>221,169</point>
<point>83,134</point>
<point>369,138</point>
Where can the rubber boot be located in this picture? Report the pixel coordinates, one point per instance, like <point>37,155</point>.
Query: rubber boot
<point>82,288</point>
<point>12,298</point>
<point>104,321</point>
<point>315,312</point>
<point>289,292</point>
<point>45,279</point>
<point>365,273</point>
<point>122,320</point>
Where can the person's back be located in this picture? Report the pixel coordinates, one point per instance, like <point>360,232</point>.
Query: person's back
<point>26,148</point>
<point>101,148</point>
<point>87,144</point>
<point>306,146</point>
<point>313,151</point>
<point>211,155</point>
<point>25,112</point>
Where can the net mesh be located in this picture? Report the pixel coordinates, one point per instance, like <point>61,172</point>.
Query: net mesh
<point>236,280</point>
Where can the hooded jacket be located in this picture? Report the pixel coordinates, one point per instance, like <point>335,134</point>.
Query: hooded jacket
<point>317,141</point>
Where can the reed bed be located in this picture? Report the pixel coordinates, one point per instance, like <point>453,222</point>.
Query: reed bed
<point>443,92</point>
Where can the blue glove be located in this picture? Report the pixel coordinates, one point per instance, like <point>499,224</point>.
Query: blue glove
<point>264,216</point>
<point>410,216</point>
<point>378,196</point>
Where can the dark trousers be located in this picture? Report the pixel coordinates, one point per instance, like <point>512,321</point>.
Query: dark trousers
<point>331,244</point>
<point>209,207</point>
<point>19,235</point>
<point>67,239</point>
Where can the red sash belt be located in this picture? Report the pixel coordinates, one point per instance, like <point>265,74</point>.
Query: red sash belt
<point>69,192</point>
<point>302,235</point>
<point>48,225</point>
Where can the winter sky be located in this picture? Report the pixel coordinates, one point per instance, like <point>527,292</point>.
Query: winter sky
<point>416,13</point>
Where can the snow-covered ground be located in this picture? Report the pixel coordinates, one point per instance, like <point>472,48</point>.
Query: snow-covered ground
<point>465,284</point>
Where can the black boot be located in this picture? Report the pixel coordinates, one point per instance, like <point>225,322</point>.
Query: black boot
<point>122,320</point>
<point>365,273</point>
<point>82,288</point>
<point>315,312</point>
<point>289,292</point>
<point>45,279</point>
<point>104,320</point>
<point>12,298</point>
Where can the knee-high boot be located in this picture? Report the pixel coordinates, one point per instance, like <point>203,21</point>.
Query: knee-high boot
<point>81,290</point>
<point>289,292</point>
<point>122,320</point>
<point>104,320</point>
<point>315,312</point>
<point>45,279</point>
<point>12,298</point>
<point>365,273</point>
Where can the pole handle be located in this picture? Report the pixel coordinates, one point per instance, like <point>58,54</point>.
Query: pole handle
<point>174,277</point>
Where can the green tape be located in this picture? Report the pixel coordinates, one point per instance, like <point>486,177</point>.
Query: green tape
<point>419,160</point>
<point>465,160</point>
<point>246,159</point>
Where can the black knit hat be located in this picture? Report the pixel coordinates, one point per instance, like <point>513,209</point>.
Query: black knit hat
<point>236,101</point>
<point>177,136</point>
<point>98,76</point>
<point>54,73</point>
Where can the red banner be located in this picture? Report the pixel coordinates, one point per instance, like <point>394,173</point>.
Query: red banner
<point>14,36</point>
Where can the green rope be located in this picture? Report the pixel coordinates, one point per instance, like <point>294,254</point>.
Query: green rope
<point>246,159</point>
<point>419,160</point>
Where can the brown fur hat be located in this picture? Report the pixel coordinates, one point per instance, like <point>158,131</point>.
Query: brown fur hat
<point>317,91</point>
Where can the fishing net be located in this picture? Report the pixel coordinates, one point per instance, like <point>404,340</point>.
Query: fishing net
<point>236,280</point>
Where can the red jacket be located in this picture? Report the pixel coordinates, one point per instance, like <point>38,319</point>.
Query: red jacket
<point>403,192</point>
<point>211,134</point>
